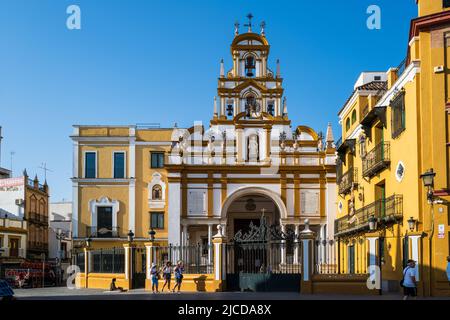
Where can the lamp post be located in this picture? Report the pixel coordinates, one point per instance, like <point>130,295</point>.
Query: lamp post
<point>88,242</point>
<point>152,233</point>
<point>373,223</point>
<point>428,182</point>
<point>412,224</point>
<point>130,236</point>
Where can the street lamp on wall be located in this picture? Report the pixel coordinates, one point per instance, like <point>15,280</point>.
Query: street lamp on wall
<point>412,224</point>
<point>428,182</point>
<point>373,223</point>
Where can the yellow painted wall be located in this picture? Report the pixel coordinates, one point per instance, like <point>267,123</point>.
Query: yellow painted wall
<point>427,7</point>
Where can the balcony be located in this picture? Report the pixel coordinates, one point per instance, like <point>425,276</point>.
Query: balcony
<point>34,217</point>
<point>387,211</point>
<point>37,246</point>
<point>376,160</point>
<point>347,180</point>
<point>95,232</point>
<point>10,253</point>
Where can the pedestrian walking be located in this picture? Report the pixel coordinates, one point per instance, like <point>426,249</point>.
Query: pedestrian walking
<point>409,280</point>
<point>155,277</point>
<point>179,269</point>
<point>167,274</point>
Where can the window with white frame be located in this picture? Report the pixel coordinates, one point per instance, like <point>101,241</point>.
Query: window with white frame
<point>119,165</point>
<point>90,165</point>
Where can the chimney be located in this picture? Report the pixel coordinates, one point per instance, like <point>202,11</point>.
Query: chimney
<point>391,77</point>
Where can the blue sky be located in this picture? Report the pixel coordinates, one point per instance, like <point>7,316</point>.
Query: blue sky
<point>139,61</point>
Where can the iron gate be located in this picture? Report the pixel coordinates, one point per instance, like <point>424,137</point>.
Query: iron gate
<point>138,267</point>
<point>264,259</point>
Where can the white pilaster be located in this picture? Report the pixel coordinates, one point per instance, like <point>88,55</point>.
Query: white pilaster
<point>415,244</point>
<point>174,213</point>
<point>372,251</point>
<point>132,185</point>
<point>210,226</point>
<point>296,244</point>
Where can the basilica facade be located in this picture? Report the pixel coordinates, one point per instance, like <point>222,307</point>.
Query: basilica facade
<point>183,182</point>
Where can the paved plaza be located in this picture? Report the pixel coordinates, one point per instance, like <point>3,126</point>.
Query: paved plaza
<point>63,293</point>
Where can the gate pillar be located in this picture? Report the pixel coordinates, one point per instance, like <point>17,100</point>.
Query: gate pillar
<point>87,266</point>
<point>128,264</point>
<point>307,238</point>
<point>219,242</point>
<point>149,259</point>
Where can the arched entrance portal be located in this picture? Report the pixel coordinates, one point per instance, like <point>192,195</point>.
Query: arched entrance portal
<point>247,211</point>
<point>261,254</point>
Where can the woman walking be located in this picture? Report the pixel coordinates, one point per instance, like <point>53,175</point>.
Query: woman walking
<point>179,269</point>
<point>167,274</point>
<point>155,277</point>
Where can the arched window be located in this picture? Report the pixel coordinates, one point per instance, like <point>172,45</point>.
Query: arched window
<point>353,116</point>
<point>250,66</point>
<point>347,124</point>
<point>157,192</point>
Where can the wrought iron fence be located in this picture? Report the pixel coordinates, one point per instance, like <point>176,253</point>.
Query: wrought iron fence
<point>347,180</point>
<point>326,258</point>
<point>274,257</point>
<point>197,259</point>
<point>329,258</point>
<point>78,260</point>
<point>108,260</point>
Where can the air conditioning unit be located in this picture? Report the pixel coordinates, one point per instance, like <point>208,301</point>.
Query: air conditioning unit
<point>19,202</point>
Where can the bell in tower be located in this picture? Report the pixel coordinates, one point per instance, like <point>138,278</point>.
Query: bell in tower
<point>250,66</point>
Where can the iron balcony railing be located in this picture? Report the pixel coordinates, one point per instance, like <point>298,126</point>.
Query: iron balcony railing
<point>37,245</point>
<point>12,253</point>
<point>35,217</point>
<point>102,232</point>
<point>347,180</point>
<point>386,211</point>
<point>376,160</point>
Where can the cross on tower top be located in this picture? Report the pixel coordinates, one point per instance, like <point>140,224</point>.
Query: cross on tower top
<point>249,24</point>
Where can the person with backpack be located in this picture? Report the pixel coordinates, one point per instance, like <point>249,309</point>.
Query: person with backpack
<point>409,280</point>
<point>179,269</point>
<point>167,274</point>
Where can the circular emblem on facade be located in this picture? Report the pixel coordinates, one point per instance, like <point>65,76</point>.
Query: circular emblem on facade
<point>340,205</point>
<point>400,171</point>
<point>250,205</point>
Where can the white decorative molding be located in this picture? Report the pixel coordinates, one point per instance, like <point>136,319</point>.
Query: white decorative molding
<point>157,203</point>
<point>104,202</point>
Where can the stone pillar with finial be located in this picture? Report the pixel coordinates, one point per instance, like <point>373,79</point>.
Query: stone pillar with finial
<point>278,69</point>
<point>307,239</point>
<point>219,243</point>
<point>330,139</point>
<point>222,69</point>
<point>36,182</point>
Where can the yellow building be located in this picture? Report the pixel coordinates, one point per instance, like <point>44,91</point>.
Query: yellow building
<point>183,183</point>
<point>394,129</point>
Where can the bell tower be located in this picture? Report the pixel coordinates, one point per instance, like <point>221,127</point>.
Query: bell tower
<point>250,88</point>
